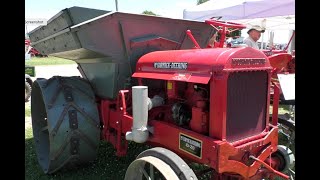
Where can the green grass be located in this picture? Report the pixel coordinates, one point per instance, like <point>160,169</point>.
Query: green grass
<point>282,109</point>
<point>27,109</point>
<point>46,61</point>
<point>106,166</point>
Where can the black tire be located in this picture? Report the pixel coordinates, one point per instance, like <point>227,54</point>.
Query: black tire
<point>28,90</point>
<point>65,122</point>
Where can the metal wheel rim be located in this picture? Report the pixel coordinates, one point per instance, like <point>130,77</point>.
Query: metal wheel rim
<point>288,131</point>
<point>136,170</point>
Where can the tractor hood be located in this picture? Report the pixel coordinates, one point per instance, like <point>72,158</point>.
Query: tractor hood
<point>198,65</point>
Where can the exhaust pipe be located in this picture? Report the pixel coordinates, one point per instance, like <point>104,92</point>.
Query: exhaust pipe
<point>141,104</point>
<point>139,133</point>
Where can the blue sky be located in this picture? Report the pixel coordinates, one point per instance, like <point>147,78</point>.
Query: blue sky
<point>168,8</point>
<point>48,8</point>
<point>162,7</point>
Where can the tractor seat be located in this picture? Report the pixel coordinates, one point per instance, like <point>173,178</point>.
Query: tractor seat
<point>280,60</point>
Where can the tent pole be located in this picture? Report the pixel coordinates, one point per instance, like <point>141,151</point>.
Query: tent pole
<point>289,41</point>
<point>262,41</point>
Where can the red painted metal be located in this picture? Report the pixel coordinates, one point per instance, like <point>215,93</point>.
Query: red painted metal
<point>187,77</point>
<point>200,120</point>
<point>193,39</point>
<point>224,29</point>
<point>196,98</point>
<point>216,153</point>
<point>282,62</point>
<point>200,62</point>
<point>171,89</point>
<point>211,69</point>
<point>116,122</point>
<point>275,106</point>
<point>218,105</point>
<point>279,62</point>
<point>270,168</point>
<point>105,113</point>
<point>223,33</point>
<point>245,141</point>
<point>122,101</point>
<point>225,24</point>
<point>292,64</point>
<point>33,51</point>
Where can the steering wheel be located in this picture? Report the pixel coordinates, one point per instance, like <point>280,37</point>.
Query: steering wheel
<point>225,24</point>
<point>224,30</point>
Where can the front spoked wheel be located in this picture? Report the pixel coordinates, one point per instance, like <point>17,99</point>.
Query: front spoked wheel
<point>151,168</point>
<point>159,164</point>
<point>287,140</point>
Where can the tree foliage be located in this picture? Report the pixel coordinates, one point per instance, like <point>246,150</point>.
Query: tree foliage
<point>201,1</point>
<point>149,13</point>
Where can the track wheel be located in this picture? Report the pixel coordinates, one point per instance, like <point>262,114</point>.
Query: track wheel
<point>65,122</point>
<point>159,163</point>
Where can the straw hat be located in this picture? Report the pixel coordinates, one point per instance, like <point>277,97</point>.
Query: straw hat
<point>257,28</point>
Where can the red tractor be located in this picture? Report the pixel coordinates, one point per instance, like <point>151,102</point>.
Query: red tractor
<point>144,82</point>
<point>32,51</point>
<point>282,63</point>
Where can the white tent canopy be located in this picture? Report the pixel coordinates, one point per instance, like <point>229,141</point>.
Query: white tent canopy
<point>240,9</point>
<point>271,23</point>
<point>270,14</point>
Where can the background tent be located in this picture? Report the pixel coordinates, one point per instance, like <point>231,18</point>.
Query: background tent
<point>240,9</point>
<point>273,15</point>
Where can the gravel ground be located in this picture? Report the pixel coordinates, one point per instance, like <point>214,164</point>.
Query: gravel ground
<point>49,71</point>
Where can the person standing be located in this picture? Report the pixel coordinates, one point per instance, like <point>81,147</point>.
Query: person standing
<point>254,36</point>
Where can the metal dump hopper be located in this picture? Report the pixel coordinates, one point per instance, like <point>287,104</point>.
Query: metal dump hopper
<point>107,45</point>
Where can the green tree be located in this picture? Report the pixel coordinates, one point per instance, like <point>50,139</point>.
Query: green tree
<point>201,1</point>
<point>149,13</point>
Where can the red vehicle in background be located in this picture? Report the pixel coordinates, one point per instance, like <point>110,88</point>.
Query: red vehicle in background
<point>33,52</point>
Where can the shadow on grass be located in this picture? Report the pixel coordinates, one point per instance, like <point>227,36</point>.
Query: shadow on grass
<point>107,165</point>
